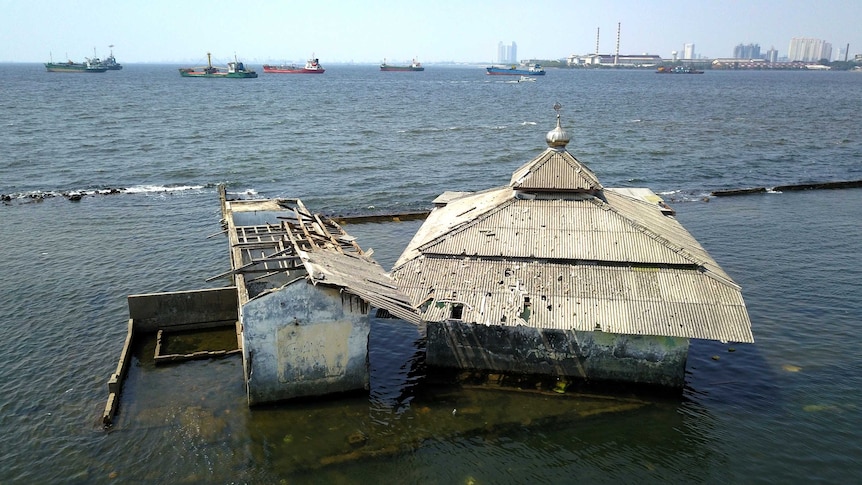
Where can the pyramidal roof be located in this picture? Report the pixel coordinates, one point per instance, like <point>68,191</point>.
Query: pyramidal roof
<point>609,259</point>
<point>555,170</point>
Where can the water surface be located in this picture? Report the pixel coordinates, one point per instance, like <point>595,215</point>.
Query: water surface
<point>783,410</point>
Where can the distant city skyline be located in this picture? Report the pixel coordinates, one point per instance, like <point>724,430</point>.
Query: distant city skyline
<point>444,31</point>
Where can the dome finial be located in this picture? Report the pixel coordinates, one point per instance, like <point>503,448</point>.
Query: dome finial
<point>557,138</point>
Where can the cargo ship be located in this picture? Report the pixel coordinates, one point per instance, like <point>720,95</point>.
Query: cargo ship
<point>89,65</point>
<point>234,69</point>
<point>110,62</point>
<point>534,70</point>
<point>312,66</point>
<point>414,66</point>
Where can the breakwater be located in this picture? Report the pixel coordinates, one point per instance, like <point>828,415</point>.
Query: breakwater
<point>849,184</point>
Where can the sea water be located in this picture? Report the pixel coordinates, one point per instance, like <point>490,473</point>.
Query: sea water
<point>146,149</point>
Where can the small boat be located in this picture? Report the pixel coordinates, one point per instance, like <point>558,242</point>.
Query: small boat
<point>526,79</point>
<point>677,70</point>
<point>234,69</point>
<point>89,65</point>
<point>414,66</point>
<point>532,70</point>
<point>312,66</point>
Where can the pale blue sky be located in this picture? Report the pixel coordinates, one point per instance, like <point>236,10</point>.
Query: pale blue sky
<point>432,30</point>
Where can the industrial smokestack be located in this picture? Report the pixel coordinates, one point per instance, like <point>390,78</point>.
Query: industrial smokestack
<point>617,56</point>
<point>597,40</point>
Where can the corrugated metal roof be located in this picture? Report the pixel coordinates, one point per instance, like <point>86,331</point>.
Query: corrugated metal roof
<point>627,300</point>
<point>654,221</point>
<point>456,212</point>
<point>556,250</point>
<point>555,170</point>
<point>581,229</point>
<point>305,241</point>
<point>362,277</point>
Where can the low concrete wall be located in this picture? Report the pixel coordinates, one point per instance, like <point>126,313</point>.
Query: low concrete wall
<point>586,355</point>
<point>180,310</point>
<point>192,309</point>
<point>115,382</point>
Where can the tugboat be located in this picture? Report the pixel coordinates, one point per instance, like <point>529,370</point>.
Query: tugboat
<point>234,69</point>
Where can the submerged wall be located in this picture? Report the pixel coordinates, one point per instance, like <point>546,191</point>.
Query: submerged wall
<point>176,309</point>
<point>303,340</point>
<point>586,355</point>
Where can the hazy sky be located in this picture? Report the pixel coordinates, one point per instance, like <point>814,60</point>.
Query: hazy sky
<point>432,30</point>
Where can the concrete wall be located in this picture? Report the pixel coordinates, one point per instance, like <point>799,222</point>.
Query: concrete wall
<point>586,355</point>
<point>178,310</point>
<point>304,340</point>
<point>183,308</point>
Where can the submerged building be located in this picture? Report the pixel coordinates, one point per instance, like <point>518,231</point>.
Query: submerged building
<point>552,274</point>
<point>555,274</point>
<point>307,294</point>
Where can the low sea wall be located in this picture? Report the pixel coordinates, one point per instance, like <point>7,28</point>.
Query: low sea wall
<point>847,184</point>
<point>180,310</point>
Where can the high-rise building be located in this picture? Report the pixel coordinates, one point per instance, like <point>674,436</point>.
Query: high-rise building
<point>843,54</point>
<point>507,53</point>
<point>808,50</point>
<point>688,51</point>
<point>772,55</point>
<point>750,51</point>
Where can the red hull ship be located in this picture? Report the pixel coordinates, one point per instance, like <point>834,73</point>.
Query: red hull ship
<point>312,66</point>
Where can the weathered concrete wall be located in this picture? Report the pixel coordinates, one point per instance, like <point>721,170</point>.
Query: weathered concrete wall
<point>115,382</point>
<point>304,340</point>
<point>182,308</point>
<point>587,355</point>
<point>150,312</point>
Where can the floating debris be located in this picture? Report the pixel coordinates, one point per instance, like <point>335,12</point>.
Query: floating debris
<point>817,408</point>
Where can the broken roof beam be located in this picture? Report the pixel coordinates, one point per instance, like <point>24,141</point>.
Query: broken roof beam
<point>346,238</point>
<point>249,267</point>
<point>328,234</point>
<point>304,229</point>
<point>294,240</point>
